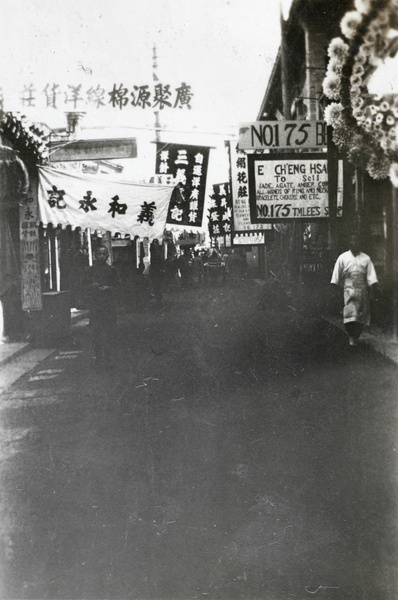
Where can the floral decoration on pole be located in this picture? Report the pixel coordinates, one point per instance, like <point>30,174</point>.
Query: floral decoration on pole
<point>365,125</point>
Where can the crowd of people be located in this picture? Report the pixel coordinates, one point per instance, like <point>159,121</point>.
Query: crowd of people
<point>194,267</point>
<point>353,272</point>
<point>190,268</point>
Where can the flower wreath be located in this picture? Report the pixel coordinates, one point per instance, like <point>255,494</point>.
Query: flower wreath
<point>364,125</point>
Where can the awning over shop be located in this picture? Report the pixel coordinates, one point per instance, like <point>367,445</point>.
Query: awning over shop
<point>69,199</point>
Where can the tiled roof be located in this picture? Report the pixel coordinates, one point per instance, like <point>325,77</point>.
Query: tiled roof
<point>28,139</point>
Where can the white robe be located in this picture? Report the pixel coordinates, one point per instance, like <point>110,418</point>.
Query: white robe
<point>355,274</point>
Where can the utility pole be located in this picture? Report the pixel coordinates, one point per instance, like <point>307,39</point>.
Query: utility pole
<point>395,261</point>
<point>155,79</point>
<point>157,128</point>
<point>333,165</point>
<point>284,69</point>
<point>291,248</point>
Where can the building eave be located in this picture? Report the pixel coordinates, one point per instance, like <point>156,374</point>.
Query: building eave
<point>273,88</point>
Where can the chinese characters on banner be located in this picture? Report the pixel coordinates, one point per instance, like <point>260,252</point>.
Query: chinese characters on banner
<point>104,205</point>
<point>30,254</point>
<point>220,211</point>
<point>75,97</point>
<point>188,166</point>
<point>240,191</point>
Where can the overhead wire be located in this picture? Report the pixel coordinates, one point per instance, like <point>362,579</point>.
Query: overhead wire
<point>151,129</point>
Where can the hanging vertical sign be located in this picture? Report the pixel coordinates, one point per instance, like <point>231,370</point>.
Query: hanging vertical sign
<point>240,191</point>
<point>30,253</point>
<point>220,210</point>
<point>188,166</point>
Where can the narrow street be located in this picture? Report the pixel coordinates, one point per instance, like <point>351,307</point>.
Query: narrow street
<point>229,453</point>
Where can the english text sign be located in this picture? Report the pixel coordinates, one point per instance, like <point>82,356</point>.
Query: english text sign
<point>288,187</point>
<point>261,135</point>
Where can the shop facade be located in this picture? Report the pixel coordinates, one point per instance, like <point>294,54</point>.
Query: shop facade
<point>306,251</point>
<point>52,223</point>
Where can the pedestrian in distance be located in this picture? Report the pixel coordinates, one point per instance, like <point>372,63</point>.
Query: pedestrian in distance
<point>355,273</point>
<point>214,268</point>
<point>226,259</point>
<point>197,269</point>
<point>157,271</point>
<point>184,265</point>
<point>102,283</point>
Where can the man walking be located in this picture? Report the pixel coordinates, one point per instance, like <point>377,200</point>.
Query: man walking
<point>355,273</point>
<point>101,283</point>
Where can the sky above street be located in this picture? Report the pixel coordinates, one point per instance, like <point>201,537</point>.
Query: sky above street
<point>224,50</point>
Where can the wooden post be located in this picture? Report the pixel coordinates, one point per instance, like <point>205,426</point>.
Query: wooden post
<point>332,158</point>
<point>89,247</point>
<point>264,249</point>
<point>395,260</point>
<point>52,258</point>
<point>284,69</point>
<point>49,258</point>
<point>57,263</point>
<point>155,79</point>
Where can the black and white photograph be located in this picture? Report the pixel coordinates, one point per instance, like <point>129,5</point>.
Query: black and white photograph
<point>199,300</point>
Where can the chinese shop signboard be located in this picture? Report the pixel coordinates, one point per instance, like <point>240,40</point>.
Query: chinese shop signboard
<point>122,96</point>
<point>220,210</point>
<point>188,167</point>
<point>240,191</point>
<point>288,187</point>
<point>282,134</point>
<point>30,253</point>
<point>93,149</point>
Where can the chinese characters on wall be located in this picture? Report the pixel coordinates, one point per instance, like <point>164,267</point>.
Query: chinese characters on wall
<point>77,97</point>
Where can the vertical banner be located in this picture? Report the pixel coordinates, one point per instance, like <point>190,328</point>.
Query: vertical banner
<point>188,166</point>
<point>30,253</point>
<point>220,211</point>
<point>240,190</point>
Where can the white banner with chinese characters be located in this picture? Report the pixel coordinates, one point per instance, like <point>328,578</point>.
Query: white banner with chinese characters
<point>240,191</point>
<point>102,204</point>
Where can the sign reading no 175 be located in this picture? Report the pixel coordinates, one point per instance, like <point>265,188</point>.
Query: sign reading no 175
<point>282,134</point>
